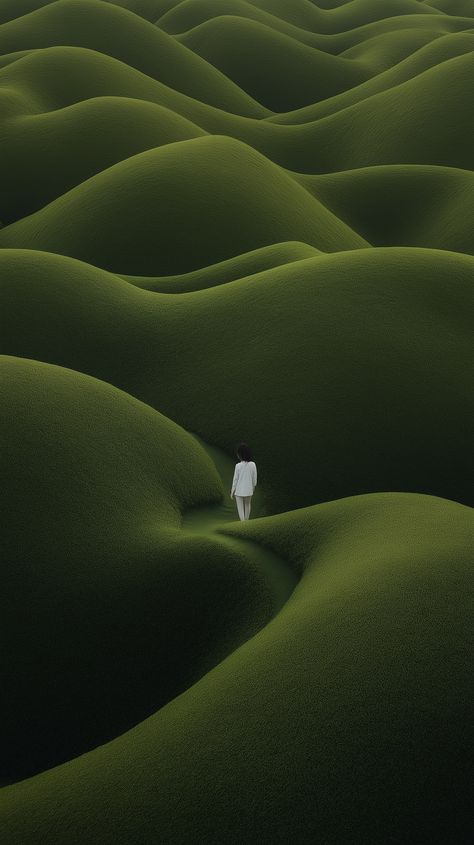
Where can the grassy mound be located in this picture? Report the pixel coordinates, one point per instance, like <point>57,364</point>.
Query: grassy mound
<point>247,264</point>
<point>56,77</point>
<point>44,155</point>
<point>426,120</point>
<point>110,610</point>
<point>390,48</point>
<point>386,128</point>
<point>190,13</point>
<point>278,71</point>
<point>303,15</point>
<point>226,220</point>
<point>110,30</point>
<point>214,196</point>
<point>370,349</point>
<point>402,204</point>
<point>442,49</point>
<point>359,687</point>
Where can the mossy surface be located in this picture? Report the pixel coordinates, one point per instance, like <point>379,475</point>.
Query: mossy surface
<point>224,220</point>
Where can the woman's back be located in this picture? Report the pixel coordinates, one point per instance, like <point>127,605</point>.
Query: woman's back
<point>245,478</point>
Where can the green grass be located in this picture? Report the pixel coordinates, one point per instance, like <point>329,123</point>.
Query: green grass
<point>276,70</point>
<point>190,13</point>
<point>123,603</point>
<point>215,195</point>
<point>436,51</point>
<point>382,350</point>
<point>402,204</point>
<point>247,264</point>
<point>115,32</point>
<point>224,220</point>
<point>97,133</point>
<point>365,663</point>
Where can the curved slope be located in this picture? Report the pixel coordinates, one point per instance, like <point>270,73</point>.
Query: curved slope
<point>274,69</point>
<point>402,205</point>
<point>440,50</point>
<point>55,77</point>
<point>387,128</point>
<point>427,120</point>
<point>368,348</point>
<point>246,264</point>
<point>453,7</point>
<point>124,615</point>
<point>191,13</point>
<point>389,49</point>
<point>11,9</point>
<point>308,15</point>
<point>311,715</point>
<point>180,208</point>
<point>305,15</point>
<point>114,31</point>
<point>352,672</point>
<point>434,53</point>
<point>42,156</point>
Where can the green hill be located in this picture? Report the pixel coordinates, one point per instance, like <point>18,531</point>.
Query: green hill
<point>434,53</point>
<point>43,155</point>
<point>426,120</point>
<point>276,70</point>
<point>227,220</point>
<point>113,31</point>
<point>111,610</point>
<point>190,13</point>
<point>366,663</point>
<point>387,50</point>
<point>247,264</point>
<point>402,205</point>
<point>303,14</point>
<point>370,348</point>
<point>174,200</point>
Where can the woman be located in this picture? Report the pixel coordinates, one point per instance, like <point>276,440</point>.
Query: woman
<point>244,481</point>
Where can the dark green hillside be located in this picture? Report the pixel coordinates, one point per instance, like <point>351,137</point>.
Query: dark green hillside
<point>402,204</point>
<point>426,120</point>
<point>110,610</point>
<point>390,48</point>
<point>247,264</point>
<point>386,128</point>
<point>453,7</point>
<point>190,13</point>
<point>44,155</point>
<point>226,221</point>
<point>302,14</point>
<point>276,70</point>
<point>434,53</point>
<point>362,678</point>
<point>367,348</point>
<point>174,201</point>
<point>115,32</point>
<point>54,77</point>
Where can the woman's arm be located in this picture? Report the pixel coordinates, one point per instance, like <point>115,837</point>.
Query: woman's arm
<point>254,474</point>
<point>234,480</point>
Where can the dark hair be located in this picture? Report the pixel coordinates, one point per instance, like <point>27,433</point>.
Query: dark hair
<point>244,452</point>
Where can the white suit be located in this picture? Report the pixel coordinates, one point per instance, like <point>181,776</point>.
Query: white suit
<point>243,485</point>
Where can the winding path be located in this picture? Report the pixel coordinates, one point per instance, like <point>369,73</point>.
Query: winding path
<point>280,578</point>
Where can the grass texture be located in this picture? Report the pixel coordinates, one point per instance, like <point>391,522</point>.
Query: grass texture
<point>225,220</point>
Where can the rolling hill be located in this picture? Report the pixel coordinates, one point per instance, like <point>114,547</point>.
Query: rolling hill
<point>226,221</point>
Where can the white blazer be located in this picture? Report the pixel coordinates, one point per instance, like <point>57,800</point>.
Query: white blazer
<point>245,478</point>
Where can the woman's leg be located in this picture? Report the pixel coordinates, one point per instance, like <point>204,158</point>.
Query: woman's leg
<point>240,506</point>
<point>247,503</point>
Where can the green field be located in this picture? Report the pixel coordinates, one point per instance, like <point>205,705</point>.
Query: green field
<point>226,220</point>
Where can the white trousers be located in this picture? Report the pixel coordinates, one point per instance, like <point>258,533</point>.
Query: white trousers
<point>243,506</point>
